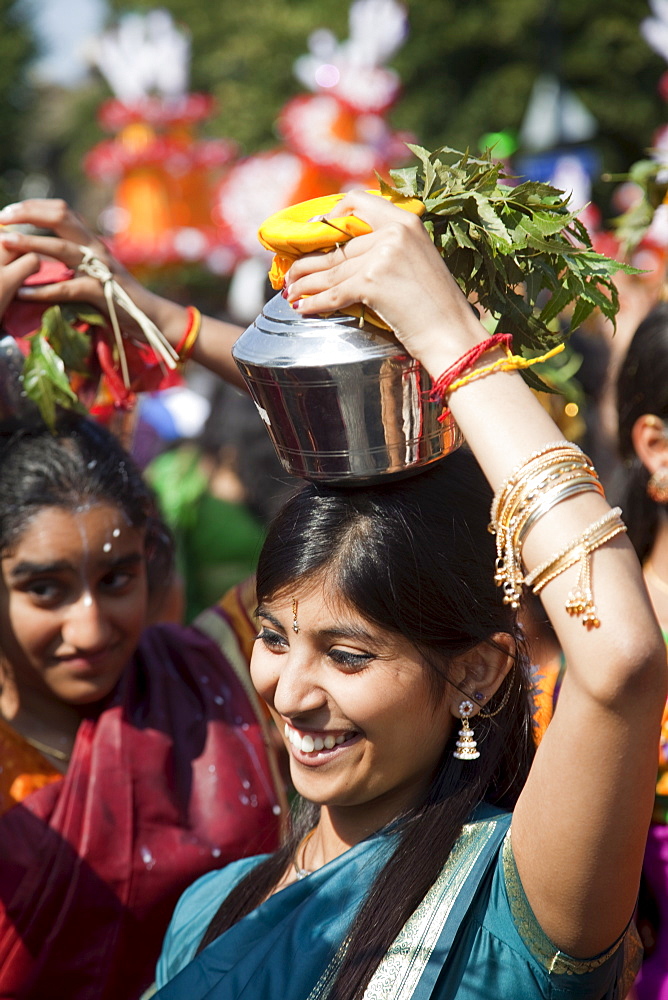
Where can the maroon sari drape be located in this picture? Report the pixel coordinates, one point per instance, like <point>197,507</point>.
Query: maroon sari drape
<point>168,781</point>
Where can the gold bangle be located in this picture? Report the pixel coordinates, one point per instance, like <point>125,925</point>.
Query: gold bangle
<point>548,470</point>
<point>508,566</point>
<point>580,600</point>
<point>526,468</point>
<point>527,492</point>
<point>551,499</point>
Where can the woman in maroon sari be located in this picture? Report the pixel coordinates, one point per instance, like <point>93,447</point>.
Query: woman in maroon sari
<point>132,759</point>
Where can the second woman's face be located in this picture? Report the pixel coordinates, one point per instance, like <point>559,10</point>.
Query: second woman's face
<point>73,602</point>
<point>360,721</point>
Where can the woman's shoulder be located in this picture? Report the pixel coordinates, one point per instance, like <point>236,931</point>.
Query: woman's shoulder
<point>194,912</point>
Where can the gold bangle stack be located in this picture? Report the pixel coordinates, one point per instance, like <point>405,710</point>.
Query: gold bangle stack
<point>549,476</point>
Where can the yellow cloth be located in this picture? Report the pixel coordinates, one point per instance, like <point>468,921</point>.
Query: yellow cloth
<point>300,229</point>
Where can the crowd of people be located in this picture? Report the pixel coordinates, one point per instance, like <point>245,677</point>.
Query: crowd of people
<point>438,846</point>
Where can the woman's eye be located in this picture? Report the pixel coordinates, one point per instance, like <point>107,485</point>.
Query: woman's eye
<point>118,580</point>
<point>44,591</point>
<point>351,661</point>
<point>272,640</point>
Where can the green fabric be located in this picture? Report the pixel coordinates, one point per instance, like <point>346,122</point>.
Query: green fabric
<point>217,541</point>
<point>284,948</point>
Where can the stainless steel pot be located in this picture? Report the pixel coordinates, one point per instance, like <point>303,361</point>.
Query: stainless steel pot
<point>13,401</point>
<point>343,402</point>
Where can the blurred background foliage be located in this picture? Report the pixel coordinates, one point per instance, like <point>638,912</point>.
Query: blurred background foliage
<point>467,69</point>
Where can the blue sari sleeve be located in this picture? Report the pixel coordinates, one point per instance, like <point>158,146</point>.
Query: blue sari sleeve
<point>193,914</point>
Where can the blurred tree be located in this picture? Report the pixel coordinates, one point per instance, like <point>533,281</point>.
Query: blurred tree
<point>243,54</point>
<point>16,98</point>
<point>467,69</point>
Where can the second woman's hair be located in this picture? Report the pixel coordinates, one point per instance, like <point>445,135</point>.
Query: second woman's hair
<point>76,464</point>
<point>642,387</point>
<point>415,558</point>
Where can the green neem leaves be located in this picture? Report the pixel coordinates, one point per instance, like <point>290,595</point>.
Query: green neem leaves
<point>516,250</point>
<point>57,350</point>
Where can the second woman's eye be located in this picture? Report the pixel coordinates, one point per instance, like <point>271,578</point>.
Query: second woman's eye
<point>272,640</point>
<point>117,580</point>
<point>44,591</point>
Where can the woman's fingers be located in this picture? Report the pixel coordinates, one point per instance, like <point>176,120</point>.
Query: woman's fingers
<point>71,239</point>
<point>397,272</point>
<point>13,275</point>
<point>69,253</point>
<point>49,213</point>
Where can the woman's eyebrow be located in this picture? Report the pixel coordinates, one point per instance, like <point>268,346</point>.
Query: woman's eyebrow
<point>261,612</point>
<point>353,632</point>
<point>28,568</point>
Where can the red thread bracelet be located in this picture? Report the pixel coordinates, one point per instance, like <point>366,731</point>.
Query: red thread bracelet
<point>442,383</point>
<point>191,312</point>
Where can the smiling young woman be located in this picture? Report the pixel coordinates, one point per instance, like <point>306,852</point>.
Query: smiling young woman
<point>438,854</point>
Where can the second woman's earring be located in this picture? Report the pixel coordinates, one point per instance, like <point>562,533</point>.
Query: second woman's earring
<point>657,485</point>
<point>295,623</point>
<point>467,748</point>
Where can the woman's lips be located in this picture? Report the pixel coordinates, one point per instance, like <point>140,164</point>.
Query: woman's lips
<point>94,663</point>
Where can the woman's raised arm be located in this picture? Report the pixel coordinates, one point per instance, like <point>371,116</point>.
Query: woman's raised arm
<point>579,827</point>
<point>71,237</point>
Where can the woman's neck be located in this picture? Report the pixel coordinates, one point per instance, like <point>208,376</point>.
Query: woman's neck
<point>339,829</point>
<point>52,724</point>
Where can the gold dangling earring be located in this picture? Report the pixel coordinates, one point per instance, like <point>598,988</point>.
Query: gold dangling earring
<point>657,485</point>
<point>295,623</point>
<point>467,748</point>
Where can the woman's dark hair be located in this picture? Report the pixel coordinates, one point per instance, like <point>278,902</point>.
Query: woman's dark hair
<point>415,558</point>
<point>78,462</point>
<point>642,387</point>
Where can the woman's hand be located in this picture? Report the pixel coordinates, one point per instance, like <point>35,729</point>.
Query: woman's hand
<point>396,271</point>
<point>69,244</point>
<point>72,241</point>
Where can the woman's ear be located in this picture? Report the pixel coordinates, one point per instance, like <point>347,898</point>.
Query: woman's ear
<point>650,442</point>
<point>479,674</point>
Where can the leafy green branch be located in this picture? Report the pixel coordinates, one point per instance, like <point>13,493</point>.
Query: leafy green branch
<point>651,177</point>
<point>514,249</point>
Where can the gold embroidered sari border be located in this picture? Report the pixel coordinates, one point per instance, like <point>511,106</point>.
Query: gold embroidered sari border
<point>556,962</point>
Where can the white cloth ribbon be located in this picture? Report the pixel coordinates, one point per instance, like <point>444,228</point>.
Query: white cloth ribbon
<point>113,293</point>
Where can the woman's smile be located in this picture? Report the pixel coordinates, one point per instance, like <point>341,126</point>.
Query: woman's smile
<point>318,747</point>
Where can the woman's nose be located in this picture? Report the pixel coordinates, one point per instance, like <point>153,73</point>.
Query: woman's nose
<point>86,626</point>
<point>297,689</point>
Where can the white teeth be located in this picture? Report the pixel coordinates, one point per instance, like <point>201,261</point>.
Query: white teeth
<point>312,744</point>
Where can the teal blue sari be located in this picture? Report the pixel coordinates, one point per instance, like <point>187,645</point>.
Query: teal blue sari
<point>472,937</point>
